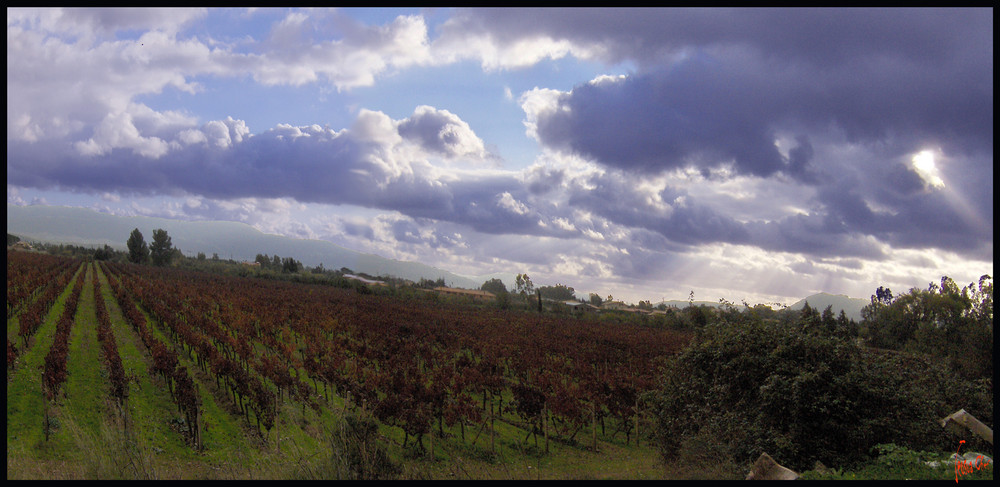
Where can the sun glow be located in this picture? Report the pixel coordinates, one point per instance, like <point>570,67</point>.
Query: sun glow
<point>923,162</point>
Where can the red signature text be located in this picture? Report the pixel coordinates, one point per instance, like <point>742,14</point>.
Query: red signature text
<point>967,467</point>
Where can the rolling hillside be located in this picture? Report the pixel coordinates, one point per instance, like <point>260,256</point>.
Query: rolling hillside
<point>851,306</point>
<point>231,240</point>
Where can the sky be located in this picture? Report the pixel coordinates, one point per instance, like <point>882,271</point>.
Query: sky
<point>760,155</point>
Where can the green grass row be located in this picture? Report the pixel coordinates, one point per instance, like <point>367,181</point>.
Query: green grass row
<point>26,403</point>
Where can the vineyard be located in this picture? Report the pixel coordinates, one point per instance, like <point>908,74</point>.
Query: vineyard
<point>215,372</point>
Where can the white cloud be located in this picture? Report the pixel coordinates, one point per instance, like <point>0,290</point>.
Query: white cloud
<point>65,85</point>
<point>564,224</point>
<point>118,131</point>
<point>220,134</point>
<point>607,78</point>
<point>461,40</point>
<point>538,103</point>
<point>593,235</point>
<point>507,201</point>
<point>346,63</point>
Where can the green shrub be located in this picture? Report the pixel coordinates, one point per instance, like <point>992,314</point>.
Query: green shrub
<point>894,462</point>
<point>800,397</point>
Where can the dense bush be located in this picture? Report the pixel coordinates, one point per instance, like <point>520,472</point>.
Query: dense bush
<point>756,386</point>
<point>955,325</point>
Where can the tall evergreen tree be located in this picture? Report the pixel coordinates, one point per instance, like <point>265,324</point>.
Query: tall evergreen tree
<point>161,250</point>
<point>138,252</point>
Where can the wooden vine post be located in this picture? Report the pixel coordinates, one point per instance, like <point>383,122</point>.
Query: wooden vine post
<point>197,427</point>
<point>638,414</point>
<point>593,425</point>
<point>492,441</point>
<point>545,427</point>
<point>430,453</point>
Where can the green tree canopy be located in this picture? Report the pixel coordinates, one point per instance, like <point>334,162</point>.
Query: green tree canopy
<point>523,284</point>
<point>138,252</point>
<point>161,250</point>
<point>290,265</point>
<point>495,286</point>
<point>105,253</point>
<point>559,292</point>
<point>942,321</point>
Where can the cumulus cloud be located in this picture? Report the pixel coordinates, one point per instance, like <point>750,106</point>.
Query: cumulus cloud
<point>370,164</point>
<point>75,69</point>
<point>442,132</point>
<point>85,88</point>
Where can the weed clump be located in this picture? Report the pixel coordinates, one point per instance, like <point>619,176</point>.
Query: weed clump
<point>356,453</point>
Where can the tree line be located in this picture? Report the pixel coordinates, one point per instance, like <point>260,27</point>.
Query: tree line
<point>160,252</point>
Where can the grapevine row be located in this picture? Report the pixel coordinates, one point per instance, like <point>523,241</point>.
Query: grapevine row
<point>31,317</point>
<point>112,360</point>
<point>230,365</point>
<point>165,361</point>
<point>54,368</point>
<point>29,272</point>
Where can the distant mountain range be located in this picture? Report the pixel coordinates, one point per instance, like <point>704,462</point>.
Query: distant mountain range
<point>231,240</point>
<point>851,306</point>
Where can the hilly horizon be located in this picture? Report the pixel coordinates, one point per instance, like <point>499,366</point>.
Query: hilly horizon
<point>851,306</point>
<point>239,241</point>
<point>231,240</point>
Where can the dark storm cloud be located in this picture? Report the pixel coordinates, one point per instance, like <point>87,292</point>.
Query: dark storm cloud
<point>543,179</point>
<point>719,87</point>
<point>406,231</point>
<point>695,115</point>
<point>358,230</point>
<point>718,84</point>
<point>903,180</point>
<point>613,196</point>
<point>815,36</point>
<point>813,235</point>
<point>710,109</point>
<point>798,161</point>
